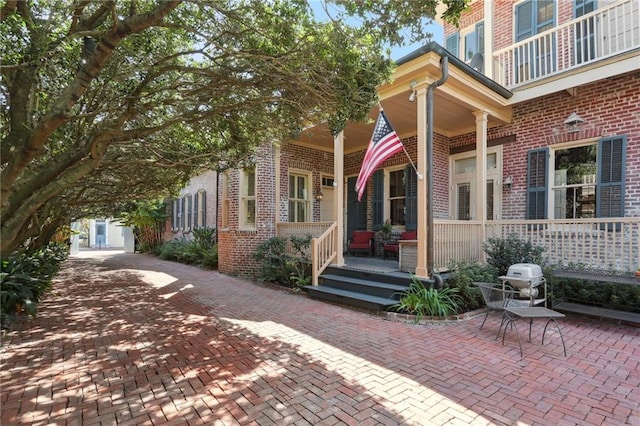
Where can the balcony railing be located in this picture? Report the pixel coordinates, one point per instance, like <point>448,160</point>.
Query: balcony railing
<point>603,33</point>
<point>597,244</point>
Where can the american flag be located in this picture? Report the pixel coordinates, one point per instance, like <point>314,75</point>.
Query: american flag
<point>384,143</point>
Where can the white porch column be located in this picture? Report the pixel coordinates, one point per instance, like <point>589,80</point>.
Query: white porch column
<point>421,261</point>
<point>481,168</point>
<point>338,193</point>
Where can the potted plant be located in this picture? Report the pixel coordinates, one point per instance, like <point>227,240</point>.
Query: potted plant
<point>385,231</point>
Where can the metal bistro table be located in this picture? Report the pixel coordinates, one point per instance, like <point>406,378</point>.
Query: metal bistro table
<point>530,313</point>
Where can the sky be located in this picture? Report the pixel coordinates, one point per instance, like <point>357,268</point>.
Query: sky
<point>396,52</point>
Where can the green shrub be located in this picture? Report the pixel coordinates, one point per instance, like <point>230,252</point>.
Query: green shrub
<point>462,276</point>
<point>621,297</point>
<point>421,301</point>
<point>504,252</point>
<point>25,277</point>
<point>202,251</point>
<point>291,270</point>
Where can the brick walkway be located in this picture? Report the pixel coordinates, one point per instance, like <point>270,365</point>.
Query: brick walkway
<point>130,339</point>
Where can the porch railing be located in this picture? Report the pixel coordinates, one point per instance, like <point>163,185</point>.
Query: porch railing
<point>301,229</point>
<point>611,244</point>
<point>323,246</point>
<point>603,33</point>
<point>323,251</point>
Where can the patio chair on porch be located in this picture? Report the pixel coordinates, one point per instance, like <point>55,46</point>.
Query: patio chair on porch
<point>394,247</point>
<point>361,241</point>
<point>497,298</point>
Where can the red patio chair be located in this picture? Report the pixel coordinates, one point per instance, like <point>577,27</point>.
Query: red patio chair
<point>394,247</point>
<point>361,241</point>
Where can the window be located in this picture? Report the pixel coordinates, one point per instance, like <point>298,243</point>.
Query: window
<point>225,201</point>
<point>175,208</point>
<point>474,43</point>
<point>181,214</point>
<point>535,59</point>
<point>586,180</point>
<point>188,200</point>
<point>299,205</point>
<point>394,197</point>
<point>574,182</point>
<point>397,195</point>
<point>452,43</point>
<point>200,209</point>
<point>248,198</point>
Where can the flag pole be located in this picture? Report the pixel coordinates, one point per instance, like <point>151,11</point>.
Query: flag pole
<point>405,151</point>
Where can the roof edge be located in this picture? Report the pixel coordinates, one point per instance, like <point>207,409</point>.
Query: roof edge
<point>432,46</point>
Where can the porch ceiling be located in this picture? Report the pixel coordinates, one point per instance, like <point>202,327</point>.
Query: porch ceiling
<point>454,105</point>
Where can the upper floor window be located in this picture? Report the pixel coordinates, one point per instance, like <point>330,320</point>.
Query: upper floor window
<point>534,17</point>
<point>299,203</point>
<point>468,45</point>
<point>248,198</point>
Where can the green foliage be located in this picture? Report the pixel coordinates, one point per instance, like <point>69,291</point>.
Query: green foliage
<point>504,252</point>
<point>621,297</point>
<point>25,277</point>
<point>421,301</point>
<point>463,275</point>
<point>278,266</point>
<point>201,251</point>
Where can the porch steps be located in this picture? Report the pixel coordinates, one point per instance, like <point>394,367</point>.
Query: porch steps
<point>374,291</point>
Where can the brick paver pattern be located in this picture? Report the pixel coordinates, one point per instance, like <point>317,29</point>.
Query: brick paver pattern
<point>134,340</point>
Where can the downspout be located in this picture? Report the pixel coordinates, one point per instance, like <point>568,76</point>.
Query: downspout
<point>430,238</point>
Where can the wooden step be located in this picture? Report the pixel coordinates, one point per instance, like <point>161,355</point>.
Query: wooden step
<point>350,298</point>
<point>359,285</point>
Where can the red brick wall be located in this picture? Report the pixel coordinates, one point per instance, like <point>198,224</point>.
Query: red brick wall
<point>236,246</point>
<point>609,108</point>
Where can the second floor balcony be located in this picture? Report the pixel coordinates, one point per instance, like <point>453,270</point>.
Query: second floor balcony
<point>604,34</point>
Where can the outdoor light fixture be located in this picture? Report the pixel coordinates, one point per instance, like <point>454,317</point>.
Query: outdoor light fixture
<point>319,196</point>
<point>414,92</point>
<point>573,122</point>
<point>508,181</point>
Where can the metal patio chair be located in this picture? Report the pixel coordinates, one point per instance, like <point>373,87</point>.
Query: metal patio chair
<point>497,298</point>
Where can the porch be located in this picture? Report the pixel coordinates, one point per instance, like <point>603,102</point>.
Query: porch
<point>611,244</point>
<point>609,32</point>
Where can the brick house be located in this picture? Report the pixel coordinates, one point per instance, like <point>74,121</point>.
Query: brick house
<point>548,93</point>
<point>195,207</point>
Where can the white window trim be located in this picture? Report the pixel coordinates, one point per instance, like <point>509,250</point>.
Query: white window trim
<point>551,168</point>
<point>387,193</point>
<point>495,174</point>
<point>308,192</point>
<point>242,224</point>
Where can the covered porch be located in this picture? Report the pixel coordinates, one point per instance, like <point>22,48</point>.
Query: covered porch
<point>611,245</point>
<point>433,99</point>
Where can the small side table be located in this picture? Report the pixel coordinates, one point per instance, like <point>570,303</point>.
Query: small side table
<point>530,313</point>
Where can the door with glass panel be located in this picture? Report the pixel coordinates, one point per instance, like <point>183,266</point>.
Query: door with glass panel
<point>464,188</point>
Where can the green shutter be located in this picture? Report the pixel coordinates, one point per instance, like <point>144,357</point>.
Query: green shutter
<point>537,183</point>
<point>611,176</point>
<point>451,44</point>
<point>411,203</point>
<point>204,208</point>
<point>378,200</point>
<point>195,211</point>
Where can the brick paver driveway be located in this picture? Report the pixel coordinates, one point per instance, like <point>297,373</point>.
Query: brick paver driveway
<point>131,339</point>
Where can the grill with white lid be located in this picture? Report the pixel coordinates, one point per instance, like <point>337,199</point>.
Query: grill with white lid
<point>526,277</point>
